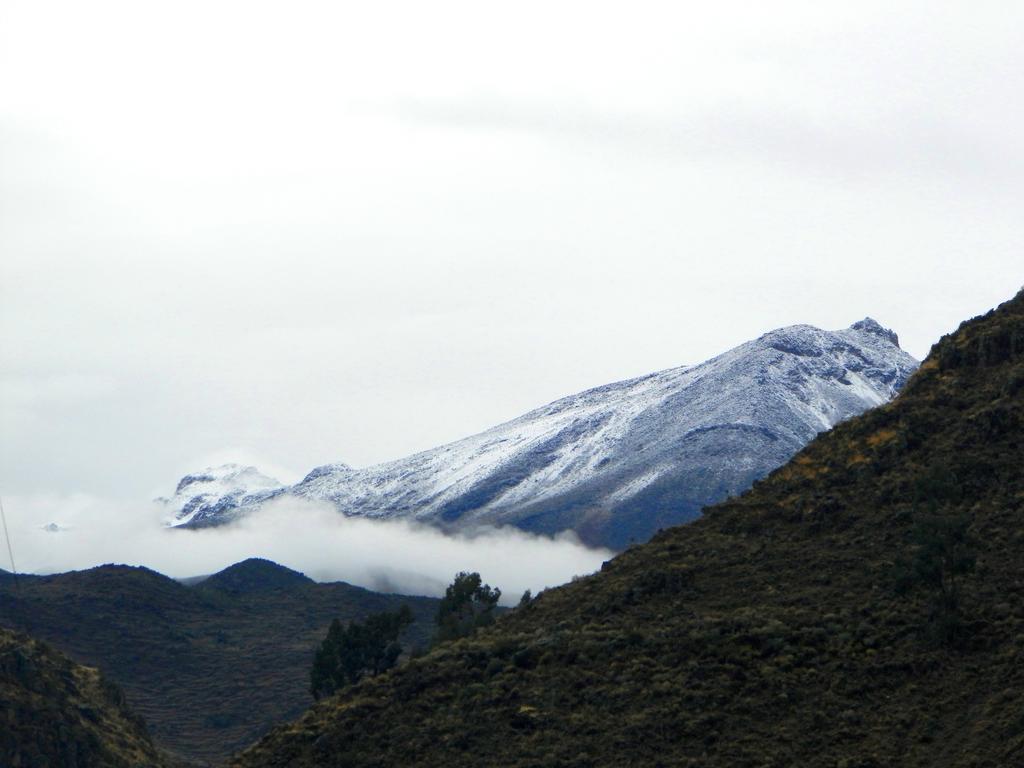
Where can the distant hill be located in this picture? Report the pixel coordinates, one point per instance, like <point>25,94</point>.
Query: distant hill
<point>209,667</point>
<point>614,463</point>
<point>254,575</point>
<point>58,713</point>
<point>805,623</point>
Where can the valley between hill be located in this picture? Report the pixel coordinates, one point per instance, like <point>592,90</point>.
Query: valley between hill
<point>210,667</point>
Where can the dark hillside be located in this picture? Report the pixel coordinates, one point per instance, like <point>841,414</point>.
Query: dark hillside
<point>254,575</point>
<point>210,667</point>
<point>821,619</point>
<point>54,712</point>
<point>6,576</point>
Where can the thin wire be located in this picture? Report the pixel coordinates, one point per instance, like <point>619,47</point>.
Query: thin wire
<point>10,552</point>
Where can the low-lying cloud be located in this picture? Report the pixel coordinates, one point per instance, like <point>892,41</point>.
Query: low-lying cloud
<point>311,537</point>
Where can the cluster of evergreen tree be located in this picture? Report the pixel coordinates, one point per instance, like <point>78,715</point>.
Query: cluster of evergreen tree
<point>350,652</point>
<point>467,604</point>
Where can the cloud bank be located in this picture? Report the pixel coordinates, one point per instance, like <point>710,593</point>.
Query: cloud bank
<point>312,537</point>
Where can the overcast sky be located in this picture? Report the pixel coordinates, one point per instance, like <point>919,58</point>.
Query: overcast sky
<point>297,233</point>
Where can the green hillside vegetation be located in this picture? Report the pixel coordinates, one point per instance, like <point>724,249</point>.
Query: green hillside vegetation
<point>796,625</point>
<point>54,712</point>
<point>210,667</point>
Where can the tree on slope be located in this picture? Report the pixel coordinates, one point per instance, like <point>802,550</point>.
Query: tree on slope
<point>350,652</point>
<point>467,604</point>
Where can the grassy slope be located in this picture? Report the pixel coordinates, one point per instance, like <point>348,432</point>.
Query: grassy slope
<point>209,669</point>
<point>55,712</point>
<point>765,634</point>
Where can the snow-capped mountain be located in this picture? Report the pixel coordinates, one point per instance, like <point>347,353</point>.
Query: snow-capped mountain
<point>212,495</point>
<point>617,462</point>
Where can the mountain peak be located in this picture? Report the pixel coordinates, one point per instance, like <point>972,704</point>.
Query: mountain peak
<point>618,462</point>
<point>216,491</point>
<point>336,468</point>
<point>255,575</point>
<point>870,325</point>
<point>226,473</point>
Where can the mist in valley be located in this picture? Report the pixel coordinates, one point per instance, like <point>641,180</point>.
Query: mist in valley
<point>57,533</point>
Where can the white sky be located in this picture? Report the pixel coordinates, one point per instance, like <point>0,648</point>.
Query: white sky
<point>295,233</point>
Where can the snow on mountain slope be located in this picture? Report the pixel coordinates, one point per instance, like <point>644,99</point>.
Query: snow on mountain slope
<point>211,494</point>
<point>617,462</point>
